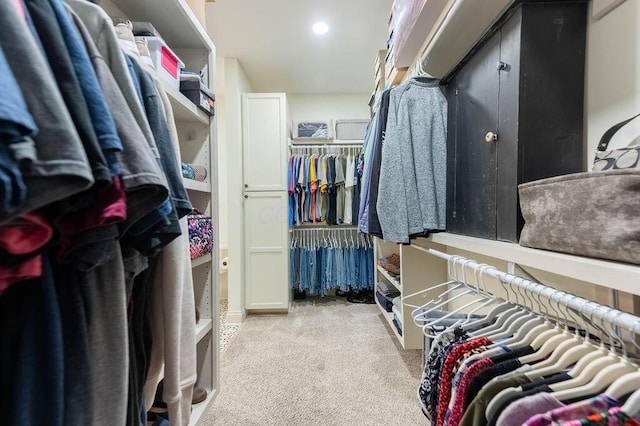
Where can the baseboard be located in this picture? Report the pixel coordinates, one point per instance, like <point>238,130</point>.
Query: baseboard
<point>235,317</point>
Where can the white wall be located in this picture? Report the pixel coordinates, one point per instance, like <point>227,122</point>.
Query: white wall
<point>235,83</point>
<point>613,74</point>
<point>339,106</point>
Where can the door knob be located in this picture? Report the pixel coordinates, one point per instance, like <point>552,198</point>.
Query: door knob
<point>491,137</point>
<point>246,196</point>
<point>246,186</point>
<point>501,66</point>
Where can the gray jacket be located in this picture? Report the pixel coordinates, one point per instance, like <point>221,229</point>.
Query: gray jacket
<point>413,173</point>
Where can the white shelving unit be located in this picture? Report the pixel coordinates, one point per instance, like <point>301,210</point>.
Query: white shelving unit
<point>194,185</point>
<point>420,270</point>
<point>416,273</point>
<point>613,275</point>
<point>184,34</point>
<point>390,278</point>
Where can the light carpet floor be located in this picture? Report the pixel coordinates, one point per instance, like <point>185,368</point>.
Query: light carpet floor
<point>227,331</point>
<point>328,362</point>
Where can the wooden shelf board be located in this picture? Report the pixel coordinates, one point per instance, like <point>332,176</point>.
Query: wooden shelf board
<point>201,260</point>
<point>203,328</point>
<point>390,278</point>
<point>614,275</point>
<point>195,185</point>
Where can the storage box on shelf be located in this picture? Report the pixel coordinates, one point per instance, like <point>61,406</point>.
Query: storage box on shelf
<point>412,23</point>
<point>166,63</point>
<point>187,40</point>
<point>379,71</point>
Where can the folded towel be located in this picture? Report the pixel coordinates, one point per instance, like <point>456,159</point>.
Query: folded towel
<point>387,289</point>
<point>397,324</point>
<point>397,301</point>
<point>396,311</point>
<point>384,302</point>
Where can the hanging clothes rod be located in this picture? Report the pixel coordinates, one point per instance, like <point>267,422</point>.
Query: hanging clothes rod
<point>324,228</point>
<point>591,308</point>
<point>326,145</point>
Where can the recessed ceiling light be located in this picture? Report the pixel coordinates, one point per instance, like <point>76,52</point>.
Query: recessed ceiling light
<point>320,28</point>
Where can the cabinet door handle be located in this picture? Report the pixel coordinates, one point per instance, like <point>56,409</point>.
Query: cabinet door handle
<point>246,185</point>
<point>491,137</point>
<point>246,196</point>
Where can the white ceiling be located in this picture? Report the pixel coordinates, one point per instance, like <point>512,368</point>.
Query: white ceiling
<point>273,41</point>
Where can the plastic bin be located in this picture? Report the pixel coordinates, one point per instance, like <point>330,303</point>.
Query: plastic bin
<point>165,61</point>
<point>351,129</point>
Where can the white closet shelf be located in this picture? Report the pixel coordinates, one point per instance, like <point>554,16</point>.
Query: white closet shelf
<point>325,141</point>
<point>390,278</point>
<point>201,260</point>
<point>174,19</point>
<point>183,109</point>
<point>311,139</point>
<point>195,185</point>
<point>203,328</point>
<point>200,409</point>
<point>389,317</point>
<point>614,275</point>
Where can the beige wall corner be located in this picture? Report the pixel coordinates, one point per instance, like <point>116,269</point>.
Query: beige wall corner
<point>199,10</point>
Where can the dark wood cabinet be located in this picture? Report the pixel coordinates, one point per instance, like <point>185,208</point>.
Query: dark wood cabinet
<point>515,115</point>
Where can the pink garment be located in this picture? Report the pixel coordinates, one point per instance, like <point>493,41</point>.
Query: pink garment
<point>110,207</point>
<point>447,373</point>
<point>21,236</point>
<point>614,417</point>
<point>18,5</point>
<point>25,234</point>
<point>458,408</point>
<point>26,270</point>
<point>575,411</point>
<point>301,182</point>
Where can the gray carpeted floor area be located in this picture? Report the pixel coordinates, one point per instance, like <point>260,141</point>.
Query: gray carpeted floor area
<point>328,362</point>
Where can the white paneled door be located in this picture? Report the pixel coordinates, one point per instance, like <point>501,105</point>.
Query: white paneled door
<point>266,256</point>
<point>264,135</point>
<point>265,207</point>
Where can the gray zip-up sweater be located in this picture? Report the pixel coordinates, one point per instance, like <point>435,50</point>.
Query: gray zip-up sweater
<point>413,173</point>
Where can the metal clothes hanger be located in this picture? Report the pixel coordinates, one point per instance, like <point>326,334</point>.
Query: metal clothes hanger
<point>522,323</point>
<point>452,281</point>
<point>566,354</point>
<point>591,365</point>
<point>510,314</point>
<point>491,299</point>
<point>537,373</point>
<point>550,345</point>
<point>483,298</point>
<point>520,328</point>
<point>497,310</point>
<point>441,303</point>
<point>476,290</point>
<point>606,376</point>
<point>628,383</point>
